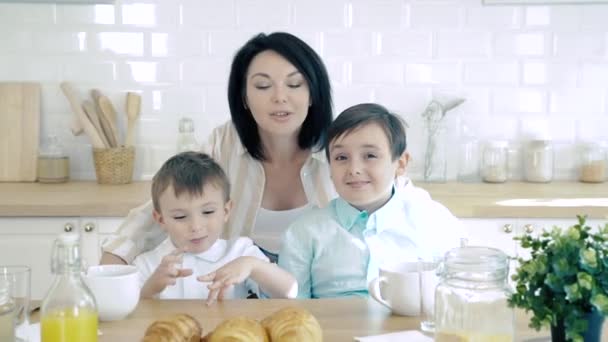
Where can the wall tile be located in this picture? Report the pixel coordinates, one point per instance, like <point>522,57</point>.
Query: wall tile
<point>405,44</point>
<point>520,44</point>
<point>250,14</point>
<point>432,73</point>
<point>555,74</point>
<point>495,18</point>
<point>579,45</point>
<point>463,44</point>
<point>509,101</point>
<point>378,14</point>
<point>308,14</point>
<point>577,102</point>
<point>96,14</point>
<point>435,15</point>
<point>208,14</point>
<point>511,63</point>
<point>498,73</point>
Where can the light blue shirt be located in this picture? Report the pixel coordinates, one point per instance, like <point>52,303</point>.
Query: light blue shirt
<point>337,250</point>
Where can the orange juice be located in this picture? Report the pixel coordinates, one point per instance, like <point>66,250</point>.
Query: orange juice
<point>464,336</point>
<point>69,325</point>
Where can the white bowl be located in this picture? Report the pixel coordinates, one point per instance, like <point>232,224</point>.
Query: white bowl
<point>116,290</point>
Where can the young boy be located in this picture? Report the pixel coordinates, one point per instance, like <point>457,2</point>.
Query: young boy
<point>190,195</point>
<point>336,250</point>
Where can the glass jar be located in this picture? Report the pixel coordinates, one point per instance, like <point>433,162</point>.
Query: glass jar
<point>538,161</point>
<point>7,313</point>
<point>185,139</point>
<point>68,312</point>
<point>53,163</point>
<point>593,163</point>
<point>471,298</point>
<point>494,162</point>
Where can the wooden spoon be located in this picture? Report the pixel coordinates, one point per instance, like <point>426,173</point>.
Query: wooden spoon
<point>108,115</point>
<point>70,94</point>
<point>133,108</point>
<point>89,110</point>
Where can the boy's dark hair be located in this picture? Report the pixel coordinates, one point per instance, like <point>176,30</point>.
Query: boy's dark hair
<point>305,59</point>
<point>365,114</point>
<point>189,171</point>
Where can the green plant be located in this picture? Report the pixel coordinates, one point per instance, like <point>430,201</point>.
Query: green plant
<point>565,278</point>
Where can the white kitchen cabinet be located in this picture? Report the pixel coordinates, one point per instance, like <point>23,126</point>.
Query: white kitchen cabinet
<point>499,232</point>
<point>29,241</point>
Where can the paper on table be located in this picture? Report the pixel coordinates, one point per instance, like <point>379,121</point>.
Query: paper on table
<point>31,332</point>
<point>409,335</point>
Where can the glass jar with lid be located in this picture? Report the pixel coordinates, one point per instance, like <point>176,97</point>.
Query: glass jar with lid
<point>471,298</point>
<point>592,163</point>
<point>185,139</point>
<point>494,161</point>
<point>538,161</point>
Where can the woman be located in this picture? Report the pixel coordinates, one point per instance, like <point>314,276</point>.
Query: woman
<point>280,104</point>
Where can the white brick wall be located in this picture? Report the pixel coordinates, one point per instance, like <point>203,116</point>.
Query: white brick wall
<point>514,64</point>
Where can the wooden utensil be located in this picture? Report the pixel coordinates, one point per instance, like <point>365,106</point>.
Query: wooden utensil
<point>70,93</point>
<point>108,111</point>
<point>133,108</point>
<point>108,129</point>
<point>86,124</point>
<point>89,110</point>
<point>19,131</point>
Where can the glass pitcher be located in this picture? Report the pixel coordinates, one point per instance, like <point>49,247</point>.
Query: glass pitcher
<point>471,298</point>
<point>68,312</point>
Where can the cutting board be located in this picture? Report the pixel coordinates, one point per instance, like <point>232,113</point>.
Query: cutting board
<point>19,131</point>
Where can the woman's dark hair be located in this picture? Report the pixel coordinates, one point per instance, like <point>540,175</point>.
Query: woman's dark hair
<point>305,59</point>
<point>364,114</point>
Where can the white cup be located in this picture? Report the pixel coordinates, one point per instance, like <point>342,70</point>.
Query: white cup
<point>398,288</point>
<point>115,288</point>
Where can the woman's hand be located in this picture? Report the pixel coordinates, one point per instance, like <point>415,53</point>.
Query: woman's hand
<point>225,277</point>
<point>166,274</point>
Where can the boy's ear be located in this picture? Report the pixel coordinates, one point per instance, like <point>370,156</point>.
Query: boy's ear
<point>402,164</point>
<point>227,210</point>
<point>158,217</point>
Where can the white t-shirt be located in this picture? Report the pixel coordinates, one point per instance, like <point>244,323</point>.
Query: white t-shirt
<point>271,224</point>
<point>215,257</point>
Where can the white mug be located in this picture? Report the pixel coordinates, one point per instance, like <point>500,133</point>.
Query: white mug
<point>115,288</point>
<point>398,288</point>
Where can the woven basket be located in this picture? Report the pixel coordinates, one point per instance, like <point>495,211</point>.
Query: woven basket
<point>114,165</point>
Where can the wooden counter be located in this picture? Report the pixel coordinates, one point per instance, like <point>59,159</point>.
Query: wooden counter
<point>341,319</point>
<point>515,199</point>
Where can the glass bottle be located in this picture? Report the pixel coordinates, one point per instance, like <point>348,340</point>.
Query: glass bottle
<point>538,161</point>
<point>471,298</point>
<point>68,312</point>
<point>7,313</point>
<point>185,139</point>
<point>494,162</point>
<point>468,156</point>
<point>593,163</point>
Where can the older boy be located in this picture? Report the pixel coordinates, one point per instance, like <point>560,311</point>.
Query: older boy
<point>336,251</point>
<point>190,194</point>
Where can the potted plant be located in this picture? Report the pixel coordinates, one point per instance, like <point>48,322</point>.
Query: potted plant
<point>565,282</point>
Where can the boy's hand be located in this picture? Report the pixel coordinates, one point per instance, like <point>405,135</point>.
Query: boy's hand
<point>166,274</point>
<point>225,277</point>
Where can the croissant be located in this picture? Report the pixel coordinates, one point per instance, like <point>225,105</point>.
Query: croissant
<point>293,324</point>
<point>239,329</point>
<point>178,328</point>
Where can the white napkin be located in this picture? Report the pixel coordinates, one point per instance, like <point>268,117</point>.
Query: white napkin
<point>400,336</point>
<point>31,332</point>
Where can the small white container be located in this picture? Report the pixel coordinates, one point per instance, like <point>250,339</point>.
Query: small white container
<point>494,162</point>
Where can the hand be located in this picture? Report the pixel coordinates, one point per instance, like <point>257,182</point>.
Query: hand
<point>166,273</point>
<point>222,279</point>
